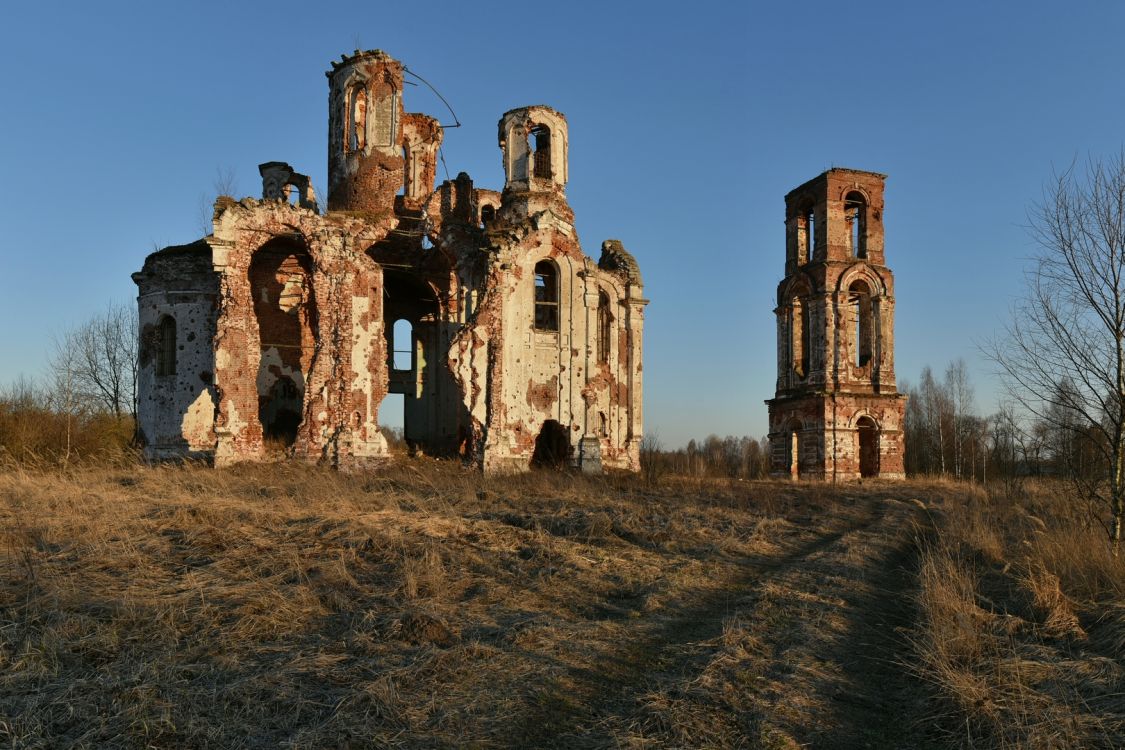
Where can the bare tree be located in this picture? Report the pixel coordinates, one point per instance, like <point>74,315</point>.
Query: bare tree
<point>97,362</point>
<point>651,450</point>
<point>960,393</point>
<point>65,396</point>
<point>1070,325</point>
<point>935,403</point>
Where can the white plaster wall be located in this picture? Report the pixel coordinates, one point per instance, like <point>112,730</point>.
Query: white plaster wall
<point>176,412</point>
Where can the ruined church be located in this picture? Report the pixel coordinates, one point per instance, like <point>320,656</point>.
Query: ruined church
<point>282,332</point>
<point>837,413</point>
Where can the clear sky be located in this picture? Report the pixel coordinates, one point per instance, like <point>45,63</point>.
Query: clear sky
<point>688,124</point>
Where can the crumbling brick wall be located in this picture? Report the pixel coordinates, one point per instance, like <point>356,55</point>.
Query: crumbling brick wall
<point>301,305</point>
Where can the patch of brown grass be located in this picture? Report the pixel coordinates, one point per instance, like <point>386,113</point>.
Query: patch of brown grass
<point>1018,632</point>
<point>282,605</point>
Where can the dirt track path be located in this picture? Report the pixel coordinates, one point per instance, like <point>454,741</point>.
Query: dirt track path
<point>802,642</point>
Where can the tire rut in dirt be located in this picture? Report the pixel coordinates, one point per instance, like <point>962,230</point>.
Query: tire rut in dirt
<point>599,704</point>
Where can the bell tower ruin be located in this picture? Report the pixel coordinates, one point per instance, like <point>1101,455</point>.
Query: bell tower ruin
<point>837,413</point>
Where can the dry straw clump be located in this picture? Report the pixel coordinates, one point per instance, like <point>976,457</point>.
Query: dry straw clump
<point>1019,630</point>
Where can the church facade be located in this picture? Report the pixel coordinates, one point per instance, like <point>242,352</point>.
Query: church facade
<point>282,332</point>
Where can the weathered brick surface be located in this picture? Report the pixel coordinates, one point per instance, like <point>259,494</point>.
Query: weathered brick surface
<point>290,312</point>
<point>836,413</point>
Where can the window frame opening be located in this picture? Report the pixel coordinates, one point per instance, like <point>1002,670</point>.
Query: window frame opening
<point>546,280</point>
<point>166,347</point>
<point>539,142</point>
<point>855,214</point>
<point>862,315</point>
<point>356,135</point>
<point>605,327</point>
<point>800,338</point>
<point>806,234</point>
<point>402,343</point>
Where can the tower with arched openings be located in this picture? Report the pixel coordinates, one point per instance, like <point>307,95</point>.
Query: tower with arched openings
<point>837,413</point>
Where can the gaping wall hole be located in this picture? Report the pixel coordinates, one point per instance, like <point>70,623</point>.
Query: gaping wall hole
<point>552,447</point>
<point>285,310</point>
<point>280,413</point>
<point>487,214</point>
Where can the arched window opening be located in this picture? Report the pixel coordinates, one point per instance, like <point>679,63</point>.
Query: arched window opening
<point>357,125</point>
<point>603,425</point>
<point>806,235</point>
<point>292,195</point>
<point>855,213</point>
<point>487,214</point>
<point>605,327</point>
<point>166,347</point>
<point>402,343</point>
<point>546,296</point>
<point>799,336</point>
<point>862,315</point>
<point>868,436</point>
<point>542,163</point>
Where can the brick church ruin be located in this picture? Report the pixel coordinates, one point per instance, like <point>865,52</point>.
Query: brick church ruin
<point>282,331</point>
<point>837,414</point>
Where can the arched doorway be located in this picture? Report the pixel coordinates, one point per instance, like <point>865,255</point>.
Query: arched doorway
<point>868,433</point>
<point>793,449</point>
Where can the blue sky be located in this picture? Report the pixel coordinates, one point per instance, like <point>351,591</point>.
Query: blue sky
<point>688,124</point>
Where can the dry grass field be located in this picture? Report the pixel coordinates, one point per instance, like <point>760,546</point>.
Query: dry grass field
<point>430,607</point>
